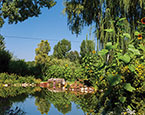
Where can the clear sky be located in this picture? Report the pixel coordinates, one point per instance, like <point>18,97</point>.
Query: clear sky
<point>51,25</point>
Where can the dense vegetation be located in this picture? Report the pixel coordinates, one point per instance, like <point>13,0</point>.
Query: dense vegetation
<point>117,70</point>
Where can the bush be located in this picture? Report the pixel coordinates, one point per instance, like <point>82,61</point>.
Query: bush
<point>5,57</point>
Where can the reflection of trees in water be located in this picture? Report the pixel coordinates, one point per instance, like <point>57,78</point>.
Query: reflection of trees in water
<point>43,105</point>
<point>87,102</point>
<point>90,103</point>
<point>6,104</point>
<point>60,100</point>
<point>10,95</point>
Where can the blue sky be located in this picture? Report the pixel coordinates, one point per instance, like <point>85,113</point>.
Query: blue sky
<point>51,25</point>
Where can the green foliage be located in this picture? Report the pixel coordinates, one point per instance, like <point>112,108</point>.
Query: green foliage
<point>101,12</point>
<point>73,56</point>
<point>12,79</point>
<point>64,71</point>
<point>42,52</point>
<point>18,67</point>
<point>128,87</point>
<point>86,48</point>
<point>61,49</point>
<point>18,11</point>
<point>43,105</point>
<point>63,68</point>
<point>91,66</point>
<point>42,59</point>
<point>2,44</point>
<point>5,57</point>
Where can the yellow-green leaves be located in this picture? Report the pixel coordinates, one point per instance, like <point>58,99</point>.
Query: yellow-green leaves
<point>122,99</point>
<point>128,87</point>
<point>125,58</point>
<point>114,80</point>
<point>20,10</point>
<point>42,52</point>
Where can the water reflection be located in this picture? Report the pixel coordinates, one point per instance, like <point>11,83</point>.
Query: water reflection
<point>36,100</point>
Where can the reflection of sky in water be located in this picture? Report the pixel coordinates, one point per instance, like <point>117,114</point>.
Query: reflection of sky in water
<point>30,108</point>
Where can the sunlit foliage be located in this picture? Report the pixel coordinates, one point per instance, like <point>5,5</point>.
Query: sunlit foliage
<point>20,10</point>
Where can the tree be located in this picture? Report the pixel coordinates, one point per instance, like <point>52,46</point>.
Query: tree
<point>5,58</point>
<point>73,56</point>
<point>87,46</point>
<point>42,52</point>
<point>86,12</point>
<point>106,17</point>
<point>2,44</point>
<point>62,48</point>
<point>20,10</point>
<point>42,59</point>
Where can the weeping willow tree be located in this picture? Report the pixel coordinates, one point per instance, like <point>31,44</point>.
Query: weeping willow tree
<point>110,17</point>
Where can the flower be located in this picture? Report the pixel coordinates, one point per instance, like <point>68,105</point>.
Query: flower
<point>143,20</point>
<point>66,65</point>
<point>90,71</point>
<point>93,51</point>
<point>139,37</point>
<point>86,67</point>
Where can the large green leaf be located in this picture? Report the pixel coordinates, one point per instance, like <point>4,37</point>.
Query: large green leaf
<point>142,47</point>
<point>125,58</point>
<point>127,35</point>
<point>135,51</point>
<point>136,33</point>
<point>121,19</point>
<point>109,30</point>
<point>114,80</point>
<point>109,45</point>
<point>131,46</point>
<point>122,99</point>
<point>131,67</point>
<point>128,87</point>
<point>103,52</point>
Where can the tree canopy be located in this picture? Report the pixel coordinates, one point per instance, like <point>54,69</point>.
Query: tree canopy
<point>86,12</point>
<point>87,46</point>
<point>62,48</point>
<point>2,44</point>
<point>42,52</point>
<point>73,55</point>
<point>20,10</point>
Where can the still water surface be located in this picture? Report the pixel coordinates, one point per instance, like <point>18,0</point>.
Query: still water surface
<point>42,101</point>
<point>29,107</point>
<point>37,101</point>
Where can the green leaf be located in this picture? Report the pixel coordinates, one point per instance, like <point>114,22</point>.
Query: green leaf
<point>121,19</point>
<point>109,30</point>
<point>125,58</point>
<point>136,33</point>
<point>129,107</point>
<point>128,87</point>
<point>142,47</point>
<point>103,52</point>
<point>114,80</point>
<point>135,51</point>
<point>122,99</point>
<point>131,68</point>
<point>109,45</point>
<point>131,46</point>
<point>127,35</point>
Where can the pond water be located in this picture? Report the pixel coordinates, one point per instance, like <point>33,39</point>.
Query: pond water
<point>30,108</point>
<point>37,101</point>
<point>42,101</point>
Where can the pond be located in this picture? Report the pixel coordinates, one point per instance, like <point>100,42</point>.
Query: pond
<point>37,101</point>
<point>42,101</point>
